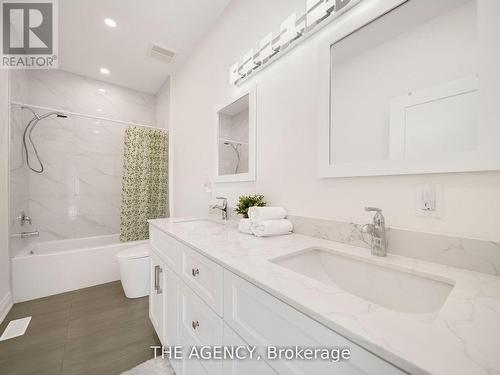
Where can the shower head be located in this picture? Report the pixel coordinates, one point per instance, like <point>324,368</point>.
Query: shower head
<point>27,136</point>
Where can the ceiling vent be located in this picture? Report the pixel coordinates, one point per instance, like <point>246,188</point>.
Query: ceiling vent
<point>162,53</point>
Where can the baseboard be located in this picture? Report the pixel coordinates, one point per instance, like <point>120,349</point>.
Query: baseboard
<point>5,306</point>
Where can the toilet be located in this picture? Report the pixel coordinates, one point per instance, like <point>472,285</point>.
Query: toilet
<point>134,270</point>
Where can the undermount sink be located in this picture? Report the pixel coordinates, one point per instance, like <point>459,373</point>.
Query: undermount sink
<point>387,287</point>
<point>200,224</point>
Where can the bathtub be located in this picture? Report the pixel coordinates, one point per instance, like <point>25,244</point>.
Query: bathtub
<point>46,268</point>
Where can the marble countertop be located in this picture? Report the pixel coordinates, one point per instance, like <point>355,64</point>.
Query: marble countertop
<point>463,337</point>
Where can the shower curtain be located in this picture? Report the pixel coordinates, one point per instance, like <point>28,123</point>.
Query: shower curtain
<point>145,181</point>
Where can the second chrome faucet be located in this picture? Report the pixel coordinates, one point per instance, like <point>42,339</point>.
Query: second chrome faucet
<point>377,231</point>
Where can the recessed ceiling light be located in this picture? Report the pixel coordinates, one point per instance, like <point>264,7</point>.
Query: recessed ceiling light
<point>104,71</point>
<point>102,91</point>
<point>110,22</point>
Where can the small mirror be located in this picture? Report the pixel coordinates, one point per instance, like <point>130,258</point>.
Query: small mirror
<point>236,139</point>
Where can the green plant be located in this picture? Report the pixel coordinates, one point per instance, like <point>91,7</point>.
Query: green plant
<point>247,201</point>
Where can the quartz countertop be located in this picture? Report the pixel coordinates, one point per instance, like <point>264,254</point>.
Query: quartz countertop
<point>463,337</point>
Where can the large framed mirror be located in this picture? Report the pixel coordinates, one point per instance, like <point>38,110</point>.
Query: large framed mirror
<point>408,87</point>
<point>236,128</point>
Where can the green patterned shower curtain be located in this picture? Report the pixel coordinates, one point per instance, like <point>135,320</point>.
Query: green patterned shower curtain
<point>145,181</point>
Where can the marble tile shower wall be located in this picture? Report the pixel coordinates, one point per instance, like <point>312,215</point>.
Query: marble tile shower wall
<point>79,193</point>
<point>71,92</point>
<point>19,178</point>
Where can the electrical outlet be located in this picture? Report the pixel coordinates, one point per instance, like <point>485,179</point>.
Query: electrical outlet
<point>429,200</point>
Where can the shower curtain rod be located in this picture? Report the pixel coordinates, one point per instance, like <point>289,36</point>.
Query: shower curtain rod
<point>18,104</point>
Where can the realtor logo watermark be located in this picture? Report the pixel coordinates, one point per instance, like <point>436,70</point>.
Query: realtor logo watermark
<point>29,34</point>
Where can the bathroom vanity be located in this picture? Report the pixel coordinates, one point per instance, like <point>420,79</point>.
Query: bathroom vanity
<point>211,285</point>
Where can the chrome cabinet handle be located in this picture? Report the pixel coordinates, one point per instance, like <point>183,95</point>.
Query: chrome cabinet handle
<point>195,272</point>
<point>157,268</point>
<point>159,290</point>
<point>195,324</point>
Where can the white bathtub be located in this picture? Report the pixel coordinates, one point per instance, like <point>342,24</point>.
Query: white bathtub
<point>46,268</point>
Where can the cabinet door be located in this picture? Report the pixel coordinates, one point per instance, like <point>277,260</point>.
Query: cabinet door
<point>168,248</point>
<point>170,304</point>
<point>242,367</point>
<point>156,300</point>
<point>263,320</point>
<point>171,311</point>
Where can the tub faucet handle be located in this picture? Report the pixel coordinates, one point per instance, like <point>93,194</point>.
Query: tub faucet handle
<point>23,218</point>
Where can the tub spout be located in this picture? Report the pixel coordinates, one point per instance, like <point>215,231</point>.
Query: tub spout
<point>25,234</point>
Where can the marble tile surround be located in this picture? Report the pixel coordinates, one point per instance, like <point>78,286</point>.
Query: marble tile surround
<point>71,92</point>
<point>79,194</point>
<point>471,254</point>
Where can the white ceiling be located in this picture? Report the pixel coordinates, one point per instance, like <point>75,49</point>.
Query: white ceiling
<point>87,44</point>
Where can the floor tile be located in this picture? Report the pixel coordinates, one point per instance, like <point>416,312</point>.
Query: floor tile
<point>91,331</point>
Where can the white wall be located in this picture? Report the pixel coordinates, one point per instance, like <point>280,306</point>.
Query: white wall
<point>286,137</point>
<point>162,104</point>
<point>5,298</point>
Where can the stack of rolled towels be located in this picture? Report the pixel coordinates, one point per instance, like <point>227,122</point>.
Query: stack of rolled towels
<point>266,222</point>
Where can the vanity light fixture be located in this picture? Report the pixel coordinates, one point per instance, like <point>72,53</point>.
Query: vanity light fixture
<point>110,22</point>
<point>293,31</point>
<point>104,71</point>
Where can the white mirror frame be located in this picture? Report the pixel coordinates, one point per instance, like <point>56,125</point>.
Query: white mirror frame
<point>366,12</point>
<point>252,136</point>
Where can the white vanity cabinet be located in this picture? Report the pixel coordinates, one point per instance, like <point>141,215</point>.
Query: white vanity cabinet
<point>196,302</point>
<point>156,305</point>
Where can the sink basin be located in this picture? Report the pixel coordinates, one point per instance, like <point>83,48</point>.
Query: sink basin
<point>387,287</point>
<point>201,224</point>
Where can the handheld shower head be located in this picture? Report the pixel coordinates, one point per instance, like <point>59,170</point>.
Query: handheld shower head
<point>27,135</point>
<point>48,114</point>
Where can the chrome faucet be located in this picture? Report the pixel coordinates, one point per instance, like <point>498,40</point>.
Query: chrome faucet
<point>222,207</point>
<point>377,232</point>
<point>23,218</point>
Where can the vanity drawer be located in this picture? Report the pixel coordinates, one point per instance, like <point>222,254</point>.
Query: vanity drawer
<point>203,276</point>
<point>263,320</point>
<point>166,247</point>
<point>199,326</point>
<point>247,366</point>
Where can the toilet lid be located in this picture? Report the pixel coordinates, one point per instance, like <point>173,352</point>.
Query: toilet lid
<point>134,252</point>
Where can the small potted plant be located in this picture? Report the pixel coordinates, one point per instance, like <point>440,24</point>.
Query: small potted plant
<point>247,201</point>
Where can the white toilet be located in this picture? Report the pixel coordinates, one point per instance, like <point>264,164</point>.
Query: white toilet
<point>134,270</point>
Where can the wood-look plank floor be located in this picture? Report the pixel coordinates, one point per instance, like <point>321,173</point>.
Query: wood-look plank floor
<point>91,331</point>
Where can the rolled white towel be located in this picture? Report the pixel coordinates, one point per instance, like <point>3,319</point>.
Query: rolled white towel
<point>258,214</point>
<point>245,226</point>
<point>269,228</point>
